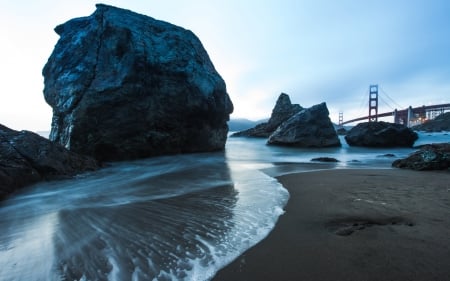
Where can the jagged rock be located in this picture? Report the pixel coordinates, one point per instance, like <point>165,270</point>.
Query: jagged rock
<point>438,124</point>
<point>381,134</point>
<point>26,158</point>
<point>124,86</point>
<point>282,111</point>
<point>310,127</point>
<point>429,157</point>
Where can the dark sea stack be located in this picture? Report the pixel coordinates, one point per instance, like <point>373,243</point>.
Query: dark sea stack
<point>26,158</point>
<point>282,111</point>
<point>310,127</point>
<point>429,157</point>
<point>126,86</point>
<point>438,124</point>
<point>381,134</point>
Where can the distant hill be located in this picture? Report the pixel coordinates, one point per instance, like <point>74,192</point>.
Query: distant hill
<point>241,124</point>
<point>438,124</point>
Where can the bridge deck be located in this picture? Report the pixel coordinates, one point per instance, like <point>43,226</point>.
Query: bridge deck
<point>444,106</point>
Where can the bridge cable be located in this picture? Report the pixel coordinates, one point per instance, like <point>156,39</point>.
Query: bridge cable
<point>364,104</point>
<point>385,102</point>
<point>393,101</point>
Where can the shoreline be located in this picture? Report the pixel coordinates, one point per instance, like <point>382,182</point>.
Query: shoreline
<point>355,224</point>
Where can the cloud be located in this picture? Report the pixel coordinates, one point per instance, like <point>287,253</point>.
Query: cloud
<point>315,51</point>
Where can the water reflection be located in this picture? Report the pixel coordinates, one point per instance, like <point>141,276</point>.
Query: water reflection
<point>26,247</point>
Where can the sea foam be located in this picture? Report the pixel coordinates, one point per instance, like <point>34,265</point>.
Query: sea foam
<point>168,218</point>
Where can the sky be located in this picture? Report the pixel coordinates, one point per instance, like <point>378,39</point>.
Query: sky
<point>314,50</point>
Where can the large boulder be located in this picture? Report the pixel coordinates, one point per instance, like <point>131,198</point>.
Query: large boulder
<point>438,124</point>
<point>282,111</point>
<point>124,86</point>
<point>26,158</point>
<point>429,157</point>
<point>310,127</point>
<point>381,134</point>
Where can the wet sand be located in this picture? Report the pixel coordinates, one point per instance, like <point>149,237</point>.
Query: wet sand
<point>368,224</point>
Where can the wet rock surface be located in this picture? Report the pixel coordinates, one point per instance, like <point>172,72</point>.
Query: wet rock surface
<point>27,158</point>
<point>325,159</point>
<point>125,86</point>
<point>428,157</point>
<point>381,134</point>
<point>310,127</point>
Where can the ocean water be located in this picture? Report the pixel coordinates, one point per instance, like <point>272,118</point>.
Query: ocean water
<point>177,217</point>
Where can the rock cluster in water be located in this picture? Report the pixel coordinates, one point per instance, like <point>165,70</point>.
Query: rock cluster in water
<point>292,125</point>
<point>310,127</point>
<point>124,86</point>
<point>282,111</point>
<point>381,134</point>
<point>438,124</point>
<point>26,158</point>
<point>428,157</point>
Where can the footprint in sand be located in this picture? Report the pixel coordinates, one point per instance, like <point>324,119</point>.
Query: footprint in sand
<point>347,226</point>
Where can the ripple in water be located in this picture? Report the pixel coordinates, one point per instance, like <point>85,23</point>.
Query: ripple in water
<point>168,218</point>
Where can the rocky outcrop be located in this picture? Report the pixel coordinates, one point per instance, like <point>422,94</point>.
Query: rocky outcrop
<point>26,158</point>
<point>282,111</point>
<point>341,131</point>
<point>124,86</point>
<point>310,127</point>
<point>381,134</point>
<point>428,157</point>
<point>438,124</point>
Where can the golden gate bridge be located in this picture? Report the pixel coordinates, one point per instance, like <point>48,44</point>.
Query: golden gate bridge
<point>408,116</point>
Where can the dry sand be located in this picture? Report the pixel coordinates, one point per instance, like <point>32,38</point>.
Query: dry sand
<point>383,224</point>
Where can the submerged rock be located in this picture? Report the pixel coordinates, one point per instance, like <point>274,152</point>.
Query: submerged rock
<point>381,134</point>
<point>325,159</point>
<point>429,157</point>
<point>26,158</point>
<point>310,127</point>
<point>282,111</point>
<point>124,86</point>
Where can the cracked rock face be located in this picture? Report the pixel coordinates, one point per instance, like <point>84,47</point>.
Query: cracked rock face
<point>125,86</point>
<point>26,158</point>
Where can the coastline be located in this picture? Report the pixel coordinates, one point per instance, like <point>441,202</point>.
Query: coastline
<point>355,224</point>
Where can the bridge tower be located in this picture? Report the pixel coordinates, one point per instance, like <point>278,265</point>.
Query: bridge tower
<point>341,119</point>
<point>373,103</point>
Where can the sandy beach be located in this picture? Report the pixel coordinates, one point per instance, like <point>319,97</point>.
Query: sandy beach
<point>355,224</point>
